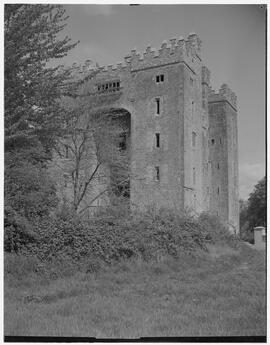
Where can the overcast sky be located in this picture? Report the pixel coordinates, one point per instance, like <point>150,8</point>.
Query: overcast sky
<point>233,48</point>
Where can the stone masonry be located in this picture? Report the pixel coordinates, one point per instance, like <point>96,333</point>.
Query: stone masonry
<point>184,151</point>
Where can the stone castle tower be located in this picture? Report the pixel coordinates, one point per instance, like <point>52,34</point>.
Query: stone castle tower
<point>183,135</point>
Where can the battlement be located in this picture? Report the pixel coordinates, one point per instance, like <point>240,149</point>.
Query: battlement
<point>225,93</point>
<point>174,51</point>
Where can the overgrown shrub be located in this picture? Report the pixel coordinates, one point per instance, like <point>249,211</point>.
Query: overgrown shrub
<point>111,237</point>
<point>18,231</point>
<point>216,231</point>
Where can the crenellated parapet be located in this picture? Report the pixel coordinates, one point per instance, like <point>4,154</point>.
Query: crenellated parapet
<point>228,94</point>
<point>176,50</point>
<point>225,93</point>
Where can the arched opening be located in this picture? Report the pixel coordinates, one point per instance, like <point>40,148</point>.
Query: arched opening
<point>119,131</point>
<point>120,170</point>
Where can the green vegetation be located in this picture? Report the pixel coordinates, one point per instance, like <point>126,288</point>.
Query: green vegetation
<point>253,211</point>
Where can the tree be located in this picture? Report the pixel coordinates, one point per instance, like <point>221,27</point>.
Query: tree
<point>257,205</point>
<point>253,211</point>
<point>33,109</point>
<point>245,231</point>
<point>32,89</point>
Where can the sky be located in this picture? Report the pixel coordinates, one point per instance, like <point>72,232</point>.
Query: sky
<point>233,48</point>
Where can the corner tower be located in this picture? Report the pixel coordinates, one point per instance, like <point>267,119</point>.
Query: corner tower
<point>223,153</point>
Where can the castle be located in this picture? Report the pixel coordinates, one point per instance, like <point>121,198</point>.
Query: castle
<point>183,134</point>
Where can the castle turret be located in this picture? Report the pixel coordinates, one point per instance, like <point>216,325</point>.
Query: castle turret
<point>223,149</point>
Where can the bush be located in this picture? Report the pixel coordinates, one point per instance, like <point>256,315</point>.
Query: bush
<point>216,231</point>
<point>111,237</point>
<point>17,231</point>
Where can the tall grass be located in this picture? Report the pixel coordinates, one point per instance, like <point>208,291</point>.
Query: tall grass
<point>193,295</point>
<point>121,275</point>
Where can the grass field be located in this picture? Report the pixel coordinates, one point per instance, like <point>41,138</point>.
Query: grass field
<point>221,293</point>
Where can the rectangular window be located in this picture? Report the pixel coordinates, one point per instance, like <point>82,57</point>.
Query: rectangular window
<point>157,173</point>
<point>220,141</point>
<point>157,106</point>
<point>160,78</point>
<point>194,139</point>
<point>218,190</point>
<point>218,166</point>
<point>191,81</point>
<point>192,108</point>
<point>213,141</point>
<point>157,139</point>
<point>194,176</point>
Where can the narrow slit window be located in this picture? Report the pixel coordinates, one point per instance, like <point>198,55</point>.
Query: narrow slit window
<point>157,106</point>
<point>157,139</point>
<point>218,166</point>
<point>157,173</point>
<point>194,176</point>
<point>192,108</point>
<point>220,141</point>
<point>66,151</point>
<point>65,180</point>
<point>213,141</point>
<point>194,139</point>
<point>218,190</point>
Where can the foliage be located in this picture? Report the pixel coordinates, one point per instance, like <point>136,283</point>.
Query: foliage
<point>257,205</point>
<point>29,194</point>
<point>32,89</point>
<point>246,232</point>
<point>112,237</point>
<point>253,211</point>
<point>28,188</point>
<point>18,231</point>
<point>32,112</point>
